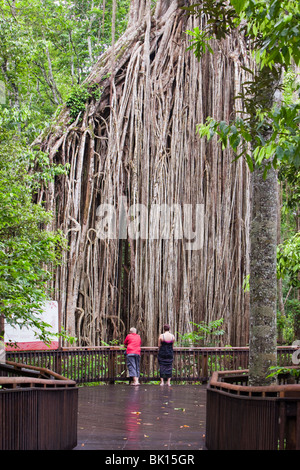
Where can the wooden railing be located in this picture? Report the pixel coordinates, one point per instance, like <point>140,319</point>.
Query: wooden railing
<point>38,409</point>
<point>239,417</point>
<point>107,364</point>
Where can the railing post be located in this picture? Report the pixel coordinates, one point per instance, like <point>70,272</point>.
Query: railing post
<point>57,361</point>
<point>112,364</point>
<point>205,366</point>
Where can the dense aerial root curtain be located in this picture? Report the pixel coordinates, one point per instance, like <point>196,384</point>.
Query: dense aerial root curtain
<point>137,144</point>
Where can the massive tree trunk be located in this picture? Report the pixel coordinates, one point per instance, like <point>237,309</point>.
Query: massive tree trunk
<point>263,259</point>
<point>263,279</point>
<point>137,144</point>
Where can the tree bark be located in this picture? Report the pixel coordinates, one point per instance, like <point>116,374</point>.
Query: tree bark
<point>263,251</point>
<point>263,278</point>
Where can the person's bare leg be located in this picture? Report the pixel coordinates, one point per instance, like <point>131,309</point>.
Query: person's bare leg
<point>161,381</point>
<point>169,382</point>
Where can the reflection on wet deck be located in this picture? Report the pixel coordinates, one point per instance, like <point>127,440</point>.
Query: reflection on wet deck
<point>148,417</point>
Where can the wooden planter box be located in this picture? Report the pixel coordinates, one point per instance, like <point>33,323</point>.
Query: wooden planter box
<point>240,417</point>
<point>37,412</point>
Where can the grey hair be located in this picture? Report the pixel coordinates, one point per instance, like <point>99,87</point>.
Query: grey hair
<point>132,330</point>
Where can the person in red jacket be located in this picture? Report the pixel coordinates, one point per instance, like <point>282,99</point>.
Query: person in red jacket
<point>133,355</point>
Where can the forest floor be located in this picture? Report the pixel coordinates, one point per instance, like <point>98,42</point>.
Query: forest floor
<point>146,417</point>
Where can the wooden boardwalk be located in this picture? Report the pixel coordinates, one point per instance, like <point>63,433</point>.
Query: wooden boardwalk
<point>148,417</point>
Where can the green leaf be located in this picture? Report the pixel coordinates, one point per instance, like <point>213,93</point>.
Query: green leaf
<point>238,5</point>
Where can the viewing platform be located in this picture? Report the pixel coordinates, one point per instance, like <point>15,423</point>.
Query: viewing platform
<point>145,417</point>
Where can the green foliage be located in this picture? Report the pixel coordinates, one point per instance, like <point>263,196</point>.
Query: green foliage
<point>272,27</point>
<point>207,334</point>
<point>290,176</point>
<point>282,147</point>
<point>200,42</point>
<point>246,283</point>
<point>292,319</point>
<point>288,260</point>
<point>275,26</point>
<point>221,16</point>
<point>275,371</point>
<point>48,47</point>
<point>288,253</point>
<point>27,250</point>
<point>77,99</point>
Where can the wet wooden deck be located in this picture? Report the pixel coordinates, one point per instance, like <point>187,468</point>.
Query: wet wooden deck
<point>149,417</point>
